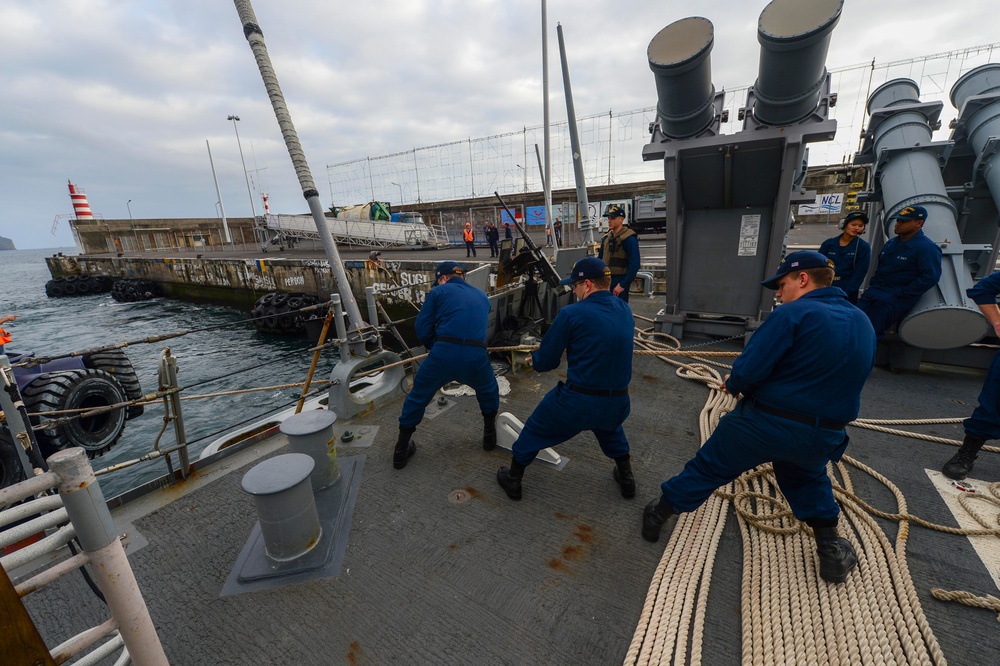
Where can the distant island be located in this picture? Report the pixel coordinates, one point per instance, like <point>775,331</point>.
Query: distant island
<point>6,243</point>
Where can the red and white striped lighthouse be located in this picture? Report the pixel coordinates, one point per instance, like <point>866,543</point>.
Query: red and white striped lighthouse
<point>80,206</point>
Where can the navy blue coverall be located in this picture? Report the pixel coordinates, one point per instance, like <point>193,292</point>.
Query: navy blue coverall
<point>596,334</point>
<point>459,311</point>
<point>850,263</point>
<point>905,270</point>
<point>985,420</point>
<point>810,358</point>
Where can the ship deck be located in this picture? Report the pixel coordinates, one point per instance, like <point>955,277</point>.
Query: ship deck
<point>441,567</point>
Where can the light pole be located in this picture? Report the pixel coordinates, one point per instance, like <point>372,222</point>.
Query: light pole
<point>253,209</point>
<point>392,182</point>
<point>131,221</point>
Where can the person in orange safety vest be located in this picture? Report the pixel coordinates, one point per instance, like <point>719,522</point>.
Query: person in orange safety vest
<point>470,240</point>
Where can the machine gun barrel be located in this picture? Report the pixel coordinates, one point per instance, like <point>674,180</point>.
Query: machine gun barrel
<point>546,269</point>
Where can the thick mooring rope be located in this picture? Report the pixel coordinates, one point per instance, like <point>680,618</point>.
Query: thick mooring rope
<point>789,614</point>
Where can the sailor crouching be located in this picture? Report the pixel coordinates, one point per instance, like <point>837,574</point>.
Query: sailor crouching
<point>452,325</point>
<point>596,334</point>
<point>801,376</point>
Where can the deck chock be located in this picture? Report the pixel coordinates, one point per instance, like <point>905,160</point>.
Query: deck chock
<point>348,397</point>
<point>254,570</point>
<point>508,429</point>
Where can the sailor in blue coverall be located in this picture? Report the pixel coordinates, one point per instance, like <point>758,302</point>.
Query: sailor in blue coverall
<point>596,334</point>
<point>850,254</point>
<point>452,325</point>
<point>908,265</point>
<point>801,376</point>
<point>984,424</point>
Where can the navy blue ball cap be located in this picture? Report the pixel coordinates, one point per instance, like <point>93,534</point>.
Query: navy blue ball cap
<point>797,261</point>
<point>588,268</point>
<point>856,215</point>
<point>614,210</point>
<point>448,268</point>
<point>912,213</point>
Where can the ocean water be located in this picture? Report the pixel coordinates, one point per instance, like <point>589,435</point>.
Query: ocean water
<point>235,356</point>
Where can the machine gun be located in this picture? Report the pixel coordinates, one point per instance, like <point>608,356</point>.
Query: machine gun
<point>531,257</point>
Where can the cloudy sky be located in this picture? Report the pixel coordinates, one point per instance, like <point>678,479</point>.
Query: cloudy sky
<point>120,96</point>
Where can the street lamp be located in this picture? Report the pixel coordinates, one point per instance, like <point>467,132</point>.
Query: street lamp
<point>135,237</point>
<point>392,182</point>
<point>253,209</point>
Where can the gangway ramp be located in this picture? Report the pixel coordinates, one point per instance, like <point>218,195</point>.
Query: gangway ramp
<point>367,233</point>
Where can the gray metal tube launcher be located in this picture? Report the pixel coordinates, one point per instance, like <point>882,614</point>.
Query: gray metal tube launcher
<point>680,57</point>
<point>909,171</point>
<point>977,97</point>
<point>793,49</point>
<point>729,197</point>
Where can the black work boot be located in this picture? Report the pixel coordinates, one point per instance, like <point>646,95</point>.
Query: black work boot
<point>405,447</point>
<point>509,479</point>
<point>962,462</point>
<point>623,476</point>
<point>836,555</point>
<point>654,516</point>
<point>489,431</point>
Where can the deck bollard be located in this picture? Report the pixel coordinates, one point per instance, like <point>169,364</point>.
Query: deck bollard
<point>311,433</point>
<point>286,509</point>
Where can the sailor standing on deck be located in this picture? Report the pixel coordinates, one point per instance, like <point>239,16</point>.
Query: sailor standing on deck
<point>596,334</point>
<point>984,424</point>
<point>909,265</point>
<point>801,376</point>
<point>850,254</point>
<point>620,251</point>
<point>452,325</point>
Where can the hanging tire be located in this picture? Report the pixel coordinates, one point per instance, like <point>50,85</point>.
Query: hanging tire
<point>77,389</point>
<point>117,364</point>
<point>54,288</point>
<point>69,288</point>
<point>10,465</point>
<point>280,298</point>
<point>83,285</point>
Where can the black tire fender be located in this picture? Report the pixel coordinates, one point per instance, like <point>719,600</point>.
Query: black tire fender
<point>117,364</point>
<point>10,465</point>
<point>77,389</point>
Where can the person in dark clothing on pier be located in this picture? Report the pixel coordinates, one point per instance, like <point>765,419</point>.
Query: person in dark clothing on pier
<point>493,238</point>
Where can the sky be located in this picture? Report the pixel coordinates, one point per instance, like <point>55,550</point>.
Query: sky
<point>120,96</point>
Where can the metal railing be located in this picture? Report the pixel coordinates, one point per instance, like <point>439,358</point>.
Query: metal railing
<point>79,512</point>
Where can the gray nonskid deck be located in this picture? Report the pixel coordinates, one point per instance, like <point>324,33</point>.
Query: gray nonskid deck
<point>558,578</point>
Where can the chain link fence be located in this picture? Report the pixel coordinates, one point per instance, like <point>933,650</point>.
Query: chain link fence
<point>611,142</point>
